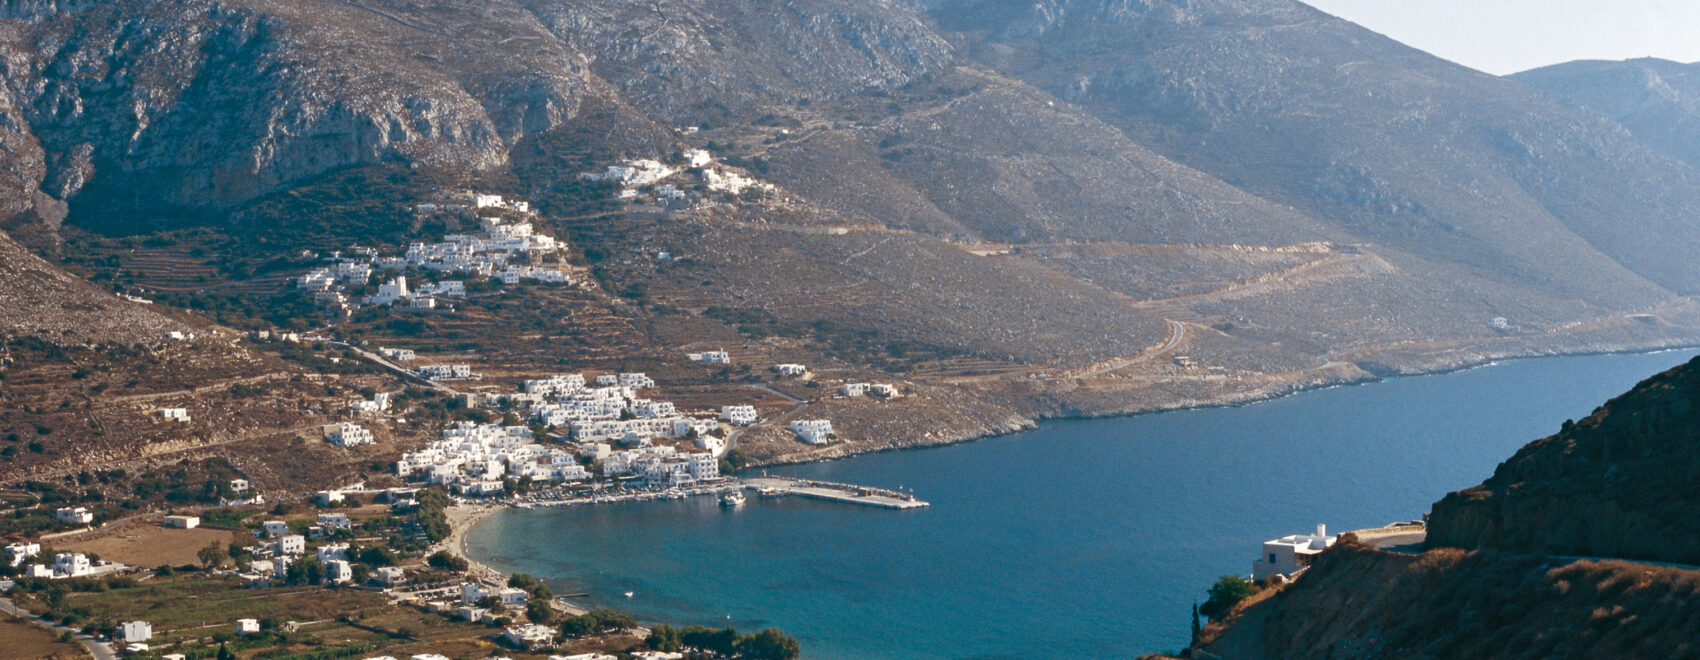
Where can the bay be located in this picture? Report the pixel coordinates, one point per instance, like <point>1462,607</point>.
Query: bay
<point>1083,538</point>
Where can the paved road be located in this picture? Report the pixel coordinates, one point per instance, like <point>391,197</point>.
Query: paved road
<point>100,650</point>
<point>405,373</point>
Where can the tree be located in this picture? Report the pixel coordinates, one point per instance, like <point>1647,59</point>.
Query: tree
<point>539,611</point>
<point>224,653</point>
<point>1224,595</point>
<point>442,559</point>
<point>723,641</point>
<point>769,644</point>
<point>664,638</point>
<point>212,555</point>
<point>1196,629</point>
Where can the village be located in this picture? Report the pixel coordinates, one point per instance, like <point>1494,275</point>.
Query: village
<point>506,249</point>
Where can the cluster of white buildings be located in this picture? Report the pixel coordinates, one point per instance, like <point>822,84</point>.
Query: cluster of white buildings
<point>349,434</point>
<point>474,458</point>
<point>445,371</point>
<point>492,252</point>
<point>65,564</point>
<point>660,466</point>
<point>884,390</point>
<point>633,175</point>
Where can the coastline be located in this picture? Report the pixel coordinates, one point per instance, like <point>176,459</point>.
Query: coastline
<point>1032,420</point>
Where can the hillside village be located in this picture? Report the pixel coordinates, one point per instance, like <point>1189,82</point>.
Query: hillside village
<point>508,250</point>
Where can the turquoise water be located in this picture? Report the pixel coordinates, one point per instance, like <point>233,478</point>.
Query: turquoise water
<point>1080,539</point>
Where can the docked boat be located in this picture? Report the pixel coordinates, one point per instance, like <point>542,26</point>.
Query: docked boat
<point>732,499</point>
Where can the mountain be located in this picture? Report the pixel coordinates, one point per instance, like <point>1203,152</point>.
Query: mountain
<point>1657,100</point>
<point>1044,208</point>
<point>1532,563</point>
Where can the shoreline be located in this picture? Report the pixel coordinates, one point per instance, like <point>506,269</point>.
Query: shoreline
<point>1248,398</point>
<point>464,517</point>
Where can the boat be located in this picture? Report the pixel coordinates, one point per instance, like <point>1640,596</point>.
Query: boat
<point>732,499</point>
<point>628,594</point>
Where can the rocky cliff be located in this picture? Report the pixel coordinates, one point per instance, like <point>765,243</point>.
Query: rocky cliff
<point>1358,602</point>
<point>1533,563</point>
<point>1616,484</point>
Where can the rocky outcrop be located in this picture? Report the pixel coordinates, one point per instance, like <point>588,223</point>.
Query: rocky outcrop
<point>1616,484</point>
<point>1357,602</point>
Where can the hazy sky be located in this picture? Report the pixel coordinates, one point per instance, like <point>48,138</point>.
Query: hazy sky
<point>1507,36</point>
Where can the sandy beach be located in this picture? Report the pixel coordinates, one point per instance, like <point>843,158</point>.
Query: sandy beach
<point>462,518</point>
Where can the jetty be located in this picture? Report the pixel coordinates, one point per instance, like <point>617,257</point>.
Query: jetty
<point>835,492</point>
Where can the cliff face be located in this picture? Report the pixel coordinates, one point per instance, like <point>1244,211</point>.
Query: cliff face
<point>1617,484</point>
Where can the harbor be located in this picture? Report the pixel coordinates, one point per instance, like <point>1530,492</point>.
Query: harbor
<point>834,492</point>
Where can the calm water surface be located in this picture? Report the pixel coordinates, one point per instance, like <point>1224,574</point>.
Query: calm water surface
<point>1080,539</point>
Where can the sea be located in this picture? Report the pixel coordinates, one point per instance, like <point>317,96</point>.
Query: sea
<point>1081,539</point>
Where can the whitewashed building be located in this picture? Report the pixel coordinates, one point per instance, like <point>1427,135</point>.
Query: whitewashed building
<point>1290,554</point>
<point>739,415</point>
<point>74,515</point>
<point>348,434</point>
<point>813,431</point>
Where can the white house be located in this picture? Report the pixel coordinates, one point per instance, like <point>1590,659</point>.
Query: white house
<point>348,434</point>
<point>292,544</point>
<point>337,520</point>
<point>854,389</point>
<point>698,157</point>
<point>247,626</point>
<point>813,431</point>
<point>1290,554</point>
<point>74,515</point>
<point>389,292</point>
<point>239,486</point>
<point>173,414</point>
<point>391,576</point>
<point>886,390</point>
<point>135,631</point>
<point>530,636</point>
<point>471,592</point>
<point>71,564</point>
<point>328,497</point>
<point>275,528</point>
<point>739,415</point>
<point>330,551</point>
<point>16,553</point>
<point>183,522</point>
<point>339,571</point>
<point>710,357</point>
<point>398,354</point>
<point>791,369</point>
<point>510,596</point>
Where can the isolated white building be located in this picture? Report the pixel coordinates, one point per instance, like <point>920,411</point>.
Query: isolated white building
<point>854,389</point>
<point>247,626</point>
<point>348,434</point>
<point>74,515</point>
<point>183,522</point>
<point>1290,554</point>
<point>886,390</point>
<point>173,414</point>
<point>134,631</point>
<point>791,369</point>
<point>710,357</point>
<point>813,431</point>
